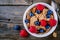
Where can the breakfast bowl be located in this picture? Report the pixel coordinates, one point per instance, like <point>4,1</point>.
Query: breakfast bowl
<point>31,19</point>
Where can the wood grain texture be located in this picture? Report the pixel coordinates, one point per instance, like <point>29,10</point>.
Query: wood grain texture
<point>15,13</point>
<point>15,2</point>
<point>46,1</point>
<point>57,1</point>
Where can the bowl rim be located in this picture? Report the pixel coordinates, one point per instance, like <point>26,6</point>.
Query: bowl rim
<point>52,29</point>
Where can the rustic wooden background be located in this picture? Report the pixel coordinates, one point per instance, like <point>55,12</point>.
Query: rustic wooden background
<point>14,10</point>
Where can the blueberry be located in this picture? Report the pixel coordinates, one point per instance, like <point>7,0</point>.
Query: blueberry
<point>38,11</point>
<point>16,27</point>
<point>41,30</point>
<point>48,16</point>
<point>47,26</point>
<point>31,14</point>
<point>37,23</point>
<point>49,12</point>
<point>26,21</point>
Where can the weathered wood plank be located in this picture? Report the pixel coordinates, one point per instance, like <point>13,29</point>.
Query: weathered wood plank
<point>46,1</point>
<point>22,2</point>
<point>15,13</point>
<point>9,33</point>
<point>57,1</point>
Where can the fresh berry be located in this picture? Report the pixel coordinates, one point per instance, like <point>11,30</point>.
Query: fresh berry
<point>52,22</point>
<point>16,27</point>
<point>23,33</point>
<point>33,29</point>
<point>26,21</point>
<point>47,16</point>
<point>37,23</point>
<point>43,22</point>
<point>47,26</point>
<point>41,30</point>
<point>31,14</point>
<point>49,12</point>
<point>40,7</point>
<point>38,11</point>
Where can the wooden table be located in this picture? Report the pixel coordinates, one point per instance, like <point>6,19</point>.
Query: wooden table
<point>14,10</point>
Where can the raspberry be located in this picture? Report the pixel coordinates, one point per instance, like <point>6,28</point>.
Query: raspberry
<point>52,22</point>
<point>33,29</point>
<point>43,22</point>
<point>40,7</point>
<point>23,33</point>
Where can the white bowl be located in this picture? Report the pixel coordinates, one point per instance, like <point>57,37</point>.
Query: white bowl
<point>52,29</point>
